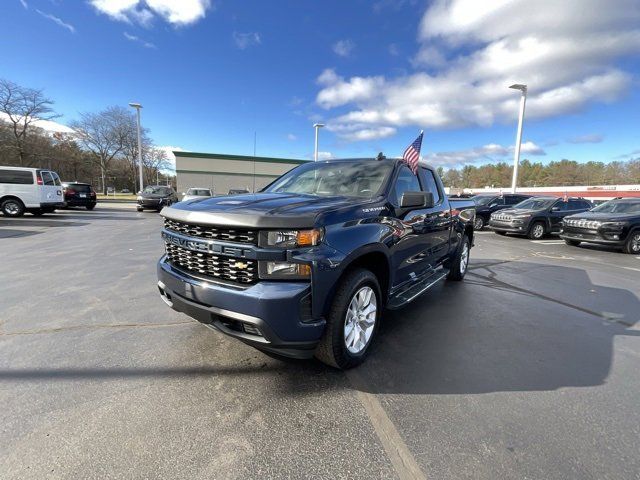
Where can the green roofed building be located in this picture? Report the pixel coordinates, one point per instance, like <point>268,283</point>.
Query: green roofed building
<point>222,172</point>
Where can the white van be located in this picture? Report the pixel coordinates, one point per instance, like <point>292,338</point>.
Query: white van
<point>33,190</point>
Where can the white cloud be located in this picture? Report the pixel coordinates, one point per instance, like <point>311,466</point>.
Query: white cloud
<point>47,125</point>
<point>134,38</point>
<point>25,4</point>
<point>393,50</point>
<point>325,156</point>
<point>487,153</point>
<point>291,137</point>
<point>58,21</point>
<point>472,51</point>
<point>175,12</point>
<point>344,48</point>
<point>588,138</point>
<point>245,40</point>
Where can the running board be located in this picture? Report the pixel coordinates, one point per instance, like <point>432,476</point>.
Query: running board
<point>414,291</point>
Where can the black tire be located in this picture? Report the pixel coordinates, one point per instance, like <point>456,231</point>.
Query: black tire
<point>332,348</point>
<point>90,207</point>
<point>632,245</point>
<point>536,231</point>
<point>572,243</point>
<point>478,224</point>
<point>38,212</point>
<point>460,263</point>
<point>140,209</point>
<point>500,233</point>
<point>12,207</point>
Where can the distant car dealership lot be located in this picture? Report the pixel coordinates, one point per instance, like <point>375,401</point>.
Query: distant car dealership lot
<point>526,369</point>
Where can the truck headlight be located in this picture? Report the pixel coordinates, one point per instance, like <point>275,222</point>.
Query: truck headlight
<point>293,238</point>
<point>284,270</point>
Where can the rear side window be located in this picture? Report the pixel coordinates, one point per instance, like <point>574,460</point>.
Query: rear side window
<point>47,179</point>
<point>16,177</point>
<point>430,184</point>
<point>405,182</point>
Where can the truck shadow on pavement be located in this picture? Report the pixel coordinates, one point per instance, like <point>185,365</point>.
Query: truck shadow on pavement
<point>489,334</point>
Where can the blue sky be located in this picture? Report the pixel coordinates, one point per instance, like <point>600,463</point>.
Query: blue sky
<point>210,73</point>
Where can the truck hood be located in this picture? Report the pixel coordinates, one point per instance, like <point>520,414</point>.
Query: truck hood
<point>260,210</point>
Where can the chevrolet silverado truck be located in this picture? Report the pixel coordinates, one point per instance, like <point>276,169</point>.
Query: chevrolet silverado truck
<point>306,266</point>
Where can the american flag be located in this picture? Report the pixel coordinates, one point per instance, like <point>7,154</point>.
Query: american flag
<point>412,153</point>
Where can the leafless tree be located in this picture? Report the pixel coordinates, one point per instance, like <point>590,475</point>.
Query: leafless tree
<point>154,160</point>
<point>105,134</point>
<point>20,107</point>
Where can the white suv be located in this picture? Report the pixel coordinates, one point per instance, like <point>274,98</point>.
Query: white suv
<point>32,190</point>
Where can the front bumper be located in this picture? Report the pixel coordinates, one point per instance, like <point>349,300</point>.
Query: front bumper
<point>267,315</point>
<point>510,227</point>
<point>599,236</point>
<point>153,203</point>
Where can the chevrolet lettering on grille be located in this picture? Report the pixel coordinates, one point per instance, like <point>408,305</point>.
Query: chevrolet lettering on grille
<point>189,244</point>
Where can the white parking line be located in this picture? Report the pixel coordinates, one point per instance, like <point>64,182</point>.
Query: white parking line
<point>548,242</point>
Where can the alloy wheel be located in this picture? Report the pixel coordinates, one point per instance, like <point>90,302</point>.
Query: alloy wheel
<point>360,320</point>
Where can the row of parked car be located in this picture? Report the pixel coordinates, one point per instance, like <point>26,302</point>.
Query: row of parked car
<point>39,191</point>
<point>576,220</point>
<point>156,197</point>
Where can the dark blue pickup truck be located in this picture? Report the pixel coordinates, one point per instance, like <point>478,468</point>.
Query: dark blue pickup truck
<point>306,266</point>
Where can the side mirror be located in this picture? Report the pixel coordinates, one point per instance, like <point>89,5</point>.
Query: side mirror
<point>416,200</point>
<point>555,209</point>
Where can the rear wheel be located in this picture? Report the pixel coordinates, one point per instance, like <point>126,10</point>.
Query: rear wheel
<point>90,207</point>
<point>632,245</point>
<point>479,223</point>
<point>12,207</point>
<point>140,209</point>
<point>38,212</point>
<point>536,232</point>
<point>352,321</point>
<point>573,243</point>
<point>460,264</point>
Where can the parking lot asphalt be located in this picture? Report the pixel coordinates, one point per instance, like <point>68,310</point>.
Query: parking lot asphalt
<point>527,369</point>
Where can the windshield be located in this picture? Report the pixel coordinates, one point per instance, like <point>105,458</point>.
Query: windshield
<point>79,187</point>
<point>483,199</point>
<point>157,190</point>
<point>535,203</point>
<point>614,206</point>
<point>357,178</point>
<point>199,192</point>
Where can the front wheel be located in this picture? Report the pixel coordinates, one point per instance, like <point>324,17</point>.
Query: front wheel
<point>573,243</point>
<point>478,224</point>
<point>460,263</point>
<point>500,233</point>
<point>536,232</point>
<point>352,321</point>
<point>632,245</point>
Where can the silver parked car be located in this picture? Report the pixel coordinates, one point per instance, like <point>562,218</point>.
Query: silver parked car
<point>195,193</point>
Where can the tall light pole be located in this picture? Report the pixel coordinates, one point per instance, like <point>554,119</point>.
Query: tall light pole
<point>516,155</point>
<point>137,106</point>
<point>317,126</point>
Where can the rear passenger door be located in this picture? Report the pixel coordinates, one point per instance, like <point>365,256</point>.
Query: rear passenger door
<point>438,221</point>
<point>51,189</point>
<point>557,212</point>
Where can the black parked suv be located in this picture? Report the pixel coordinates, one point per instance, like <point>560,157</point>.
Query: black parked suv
<point>615,223</point>
<point>537,216</point>
<point>487,204</point>
<point>77,194</point>
<point>155,197</point>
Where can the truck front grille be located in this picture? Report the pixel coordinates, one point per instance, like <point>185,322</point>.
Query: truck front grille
<point>215,266</point>
<point>212,233</point>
